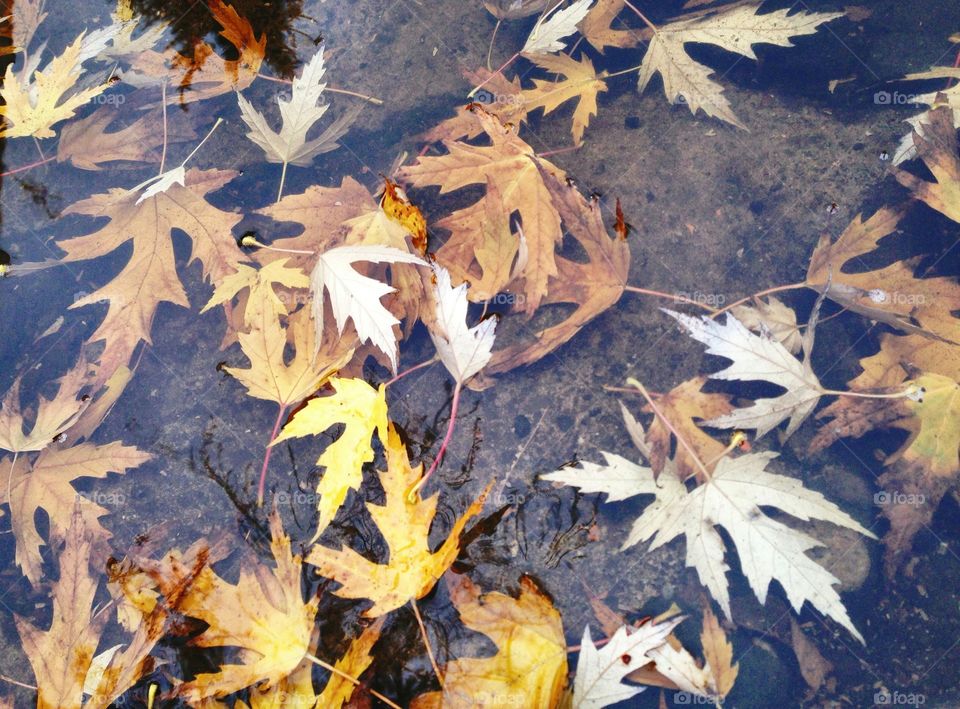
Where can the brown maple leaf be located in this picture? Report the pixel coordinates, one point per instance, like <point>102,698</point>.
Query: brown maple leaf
<point>892,294</point>
<point>592,285</point>
<point>150,277</point>
<point>938,149</point>
<point>514,167</point>
<point>598,27</point>
<point>263,614</point>
<point>682,405</point>
<point>46,483</point>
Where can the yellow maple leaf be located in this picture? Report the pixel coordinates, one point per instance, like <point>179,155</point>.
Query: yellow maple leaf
<point>32,107</point>
<point>411,569</point>
<point>530,667</point>
<point>260,283</point>
<point>363,411</point>
<point>581,81</point>
<point>263,615</point>
<point>597,27</point>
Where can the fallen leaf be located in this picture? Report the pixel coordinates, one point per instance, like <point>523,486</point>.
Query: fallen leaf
<point>600,673</point>
<point>937,146</point>
<point>46,483</point>
<point>263,615</point>
<point>512,165</point>
<point>356,297</point>
<point>300,113</point>
<point>681,405</point>
<point>732,498</point>
<point>554,26</point>
<point>580,81</point>
<point>411,569</point>
<point>593,285</point>
<point>33,105</point>
<point>773,318</point>
<point>891,294</point>
<point>61,655</point>
<point>597,27</point>
<point>757,358</point>
<point>530,666</point>
<point>362,410</point>
<point>463,350</point>
<point>736,29</point>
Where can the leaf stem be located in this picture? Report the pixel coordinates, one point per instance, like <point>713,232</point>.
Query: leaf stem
<point>163,101</point>
<point>760,294</point>
<point>643,17</point>
<point>24,168</point>
<point>493,38</point>
<point>331,89</point>
<point>677,298</point>
<point>266,456</point>
<point>454,405</point>
<point>426,641</point>
<point>353,680</point>
<point>404,373</point>
<point>621,72</point>
<point>502,67</point>
<point>909,393</point>
<point>252,241</point>
<point>283,177</point>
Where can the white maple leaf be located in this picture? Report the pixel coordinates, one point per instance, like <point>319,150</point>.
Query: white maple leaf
<point>757,357</point>
<point>299,114</point>
<point>736,30</point>
<point>552,28</point>
<point>731,498</point>
<point>161,183</point>
<point>600,673</point>
<point>356,297</point>
<point>463,350</point>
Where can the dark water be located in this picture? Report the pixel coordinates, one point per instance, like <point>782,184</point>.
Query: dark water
<point>717,212</point>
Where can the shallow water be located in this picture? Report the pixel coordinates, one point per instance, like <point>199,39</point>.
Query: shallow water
<point>718,214</point>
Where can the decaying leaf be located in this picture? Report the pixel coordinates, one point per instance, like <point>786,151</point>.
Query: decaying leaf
<point>47,483</point>
<point>580,81</point>
<point>681,405</point>
<point>732,498</point>
<point>61,655</point>
<point>772,317</point>
<point>937,146</point>
<point>927,464</point>
<point>598,27</point>
<point>531,659</point>
<point>411,569</point>
<point>263,614</point>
